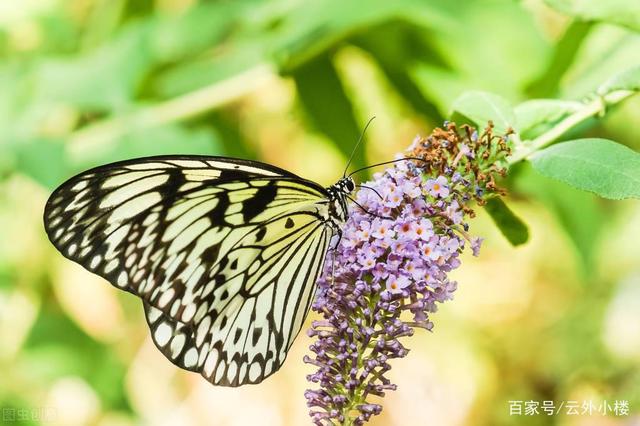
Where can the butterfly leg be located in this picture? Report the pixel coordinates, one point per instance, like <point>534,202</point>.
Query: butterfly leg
<point>333,251</point>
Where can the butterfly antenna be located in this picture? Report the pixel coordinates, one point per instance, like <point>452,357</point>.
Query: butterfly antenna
<point>368,187</point>
<point>388,162</point>
<point>353,152</point>
<point>367,211</point>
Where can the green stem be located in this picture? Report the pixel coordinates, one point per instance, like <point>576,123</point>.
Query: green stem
<point>590,109</point>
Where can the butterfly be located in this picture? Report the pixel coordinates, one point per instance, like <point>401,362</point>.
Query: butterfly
<point>224,253</point>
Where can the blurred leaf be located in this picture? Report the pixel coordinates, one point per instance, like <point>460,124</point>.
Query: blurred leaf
<point>231,135</point>
<point>314,27</point>
<point>564,54</point>
<point>57,347</point>
<point>62,33</point>
<point>606,168</point>
<point>492,60</point>
<point>329,109</point>
<point>8,161</point>
<point>606,51</point>
<point>200,72</point>
<point>168,139</point>
<point>36,158</point>
<point>104,79</point>
<point>395,46</point>
<point>482,107</point>
<point>620,12</point>
<point>626,80</point>
<point>138,8</point>
<point>7,277</point>
<point>189,33</point>
<point>511,226</point>
<point>102,22</point>
<point>536,116</point>
<point>14,407</point>
<point>578,212</point>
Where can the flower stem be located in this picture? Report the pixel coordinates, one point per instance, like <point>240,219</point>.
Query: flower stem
<point>590,109</point>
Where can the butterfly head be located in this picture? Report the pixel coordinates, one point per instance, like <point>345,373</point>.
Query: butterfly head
<point>338,194</point>
<point>346,185</point>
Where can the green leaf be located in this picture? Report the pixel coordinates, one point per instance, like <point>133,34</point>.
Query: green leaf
<point>192,32</point>
<point>312,28</point>
<point>329,109</point>
<point>564,53</point>
<point>478,58</point>
<point>626,80</point>
<point>511,226</point>
<point>394,46</point>
<point>607,51</point>
<point>536,116</point>
<point>619,12</point>
<point>601,166</point>
<point>482,107</point>
<point>103,79</point>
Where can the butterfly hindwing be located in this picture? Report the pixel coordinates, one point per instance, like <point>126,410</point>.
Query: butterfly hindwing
<point>173,338</point>
<point>224,253</point>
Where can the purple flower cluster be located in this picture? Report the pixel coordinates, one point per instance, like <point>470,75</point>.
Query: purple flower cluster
<point>403,236</point>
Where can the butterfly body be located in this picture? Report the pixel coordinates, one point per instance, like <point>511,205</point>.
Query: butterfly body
<point>224,253</point>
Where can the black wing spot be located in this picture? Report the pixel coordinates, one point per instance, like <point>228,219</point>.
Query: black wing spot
<point>262,231</point>
<point>255,205</point>
<point>223,263</point>
<point>237,335</point>
<point>210,254</point>
<point>224,295</point>
<point>257,332</point>
<point>234,265</point>
<point>223,323</point>
<point>217,215</point>
<point>289,223</point>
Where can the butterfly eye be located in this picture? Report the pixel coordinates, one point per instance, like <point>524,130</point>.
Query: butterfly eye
<point>350,185</point>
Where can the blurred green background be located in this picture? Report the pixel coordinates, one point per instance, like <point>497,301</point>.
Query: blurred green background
<point>292,82</point>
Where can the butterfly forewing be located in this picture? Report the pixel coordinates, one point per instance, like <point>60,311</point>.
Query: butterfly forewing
<point>224,253</point>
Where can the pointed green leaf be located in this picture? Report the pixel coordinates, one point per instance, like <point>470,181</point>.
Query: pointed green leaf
<point>536,116</point>
<point>563,56</point>
<point>482,107</point>
<point>511,226</point>
<point>601,166</point>
<point>619,12</point>
<point>329,109</point>
<point>626,80</point>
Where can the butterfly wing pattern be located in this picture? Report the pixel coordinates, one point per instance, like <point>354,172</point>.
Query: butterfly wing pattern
<point>224,253</point>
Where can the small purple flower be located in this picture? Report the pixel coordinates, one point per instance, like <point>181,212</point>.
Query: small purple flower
<point>423,229</point>
<point>395,284</point>
<point>367,257</point>
<point>394,198</point>
<point>476,242</point>
<point>383,230</point>
<point>466,151</point>
<point>454,212</point>
<point>438,187</point>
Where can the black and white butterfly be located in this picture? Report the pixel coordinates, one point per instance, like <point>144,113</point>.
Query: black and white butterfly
<point>224,253</point>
